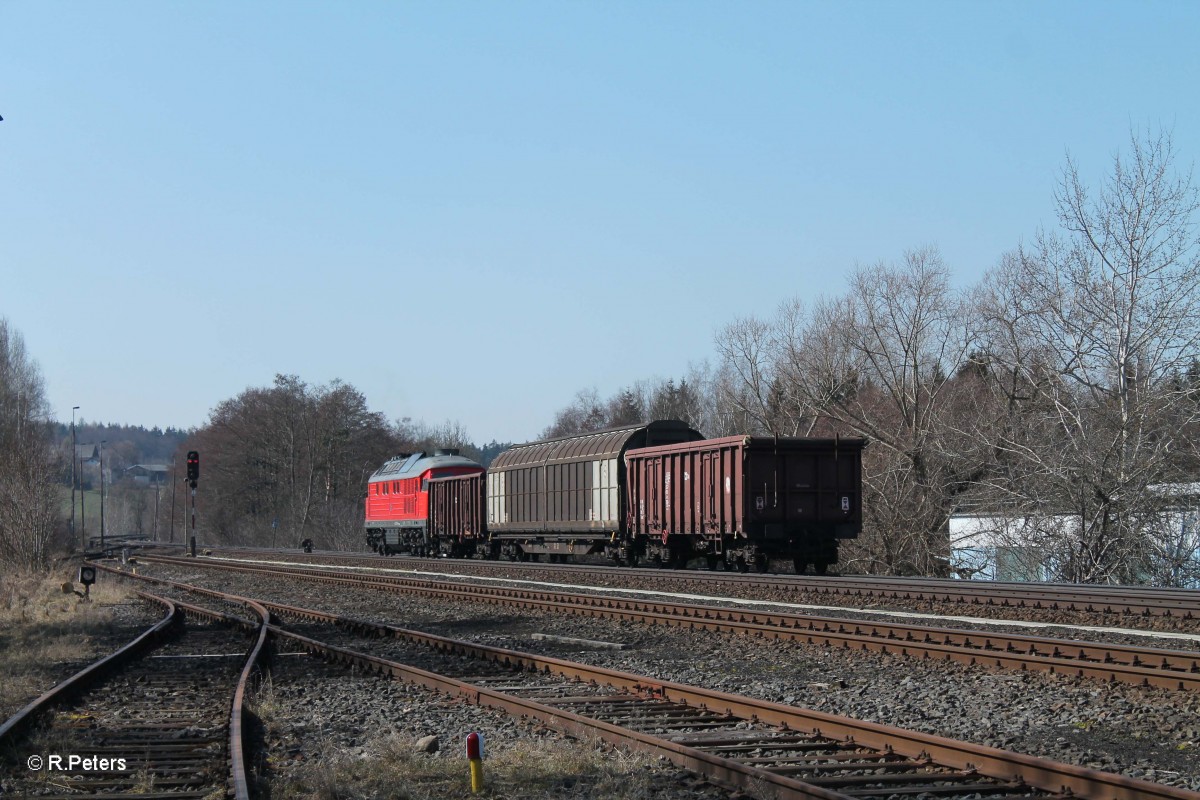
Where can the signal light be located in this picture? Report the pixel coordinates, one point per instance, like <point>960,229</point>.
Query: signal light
<point>193,467</point>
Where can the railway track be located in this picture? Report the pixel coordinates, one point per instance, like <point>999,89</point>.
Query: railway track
<point>160,718</point>
<point>1143,666</point>
<point>1180,604</point>
<point>735,740</point>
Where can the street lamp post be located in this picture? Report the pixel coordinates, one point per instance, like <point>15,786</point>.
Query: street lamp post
<point>82,504</point>
<point>74,452</point>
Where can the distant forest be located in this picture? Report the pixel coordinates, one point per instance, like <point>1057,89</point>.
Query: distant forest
<point>124,445</point>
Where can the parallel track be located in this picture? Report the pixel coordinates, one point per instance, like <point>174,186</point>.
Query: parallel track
<point>732,739</point>
<point>166,710</point>
<point>1143,666</point>
<point>1085,598</point>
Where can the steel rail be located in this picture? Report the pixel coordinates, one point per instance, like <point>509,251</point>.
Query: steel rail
<point>239,779</point>
<point>1113,599</point>
<point>241,782</point>
<point>1013,769</point>
<point>238,776</point>
<point>77,683</point>
<point>1139,666</point>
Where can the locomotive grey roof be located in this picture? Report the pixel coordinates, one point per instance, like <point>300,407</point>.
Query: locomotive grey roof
<point>410,466</point>
<point>608,443</point>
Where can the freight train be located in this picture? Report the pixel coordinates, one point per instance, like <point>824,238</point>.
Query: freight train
<point>656,492</point>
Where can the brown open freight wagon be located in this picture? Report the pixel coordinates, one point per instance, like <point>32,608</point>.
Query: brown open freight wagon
<point>745,499</point>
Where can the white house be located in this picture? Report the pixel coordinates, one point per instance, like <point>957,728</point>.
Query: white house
<point>997,547</point>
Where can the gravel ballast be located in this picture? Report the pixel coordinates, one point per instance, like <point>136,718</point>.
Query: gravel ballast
<point>1152,734</point>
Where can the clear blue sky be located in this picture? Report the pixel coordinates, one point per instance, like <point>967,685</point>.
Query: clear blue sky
<point>471,210</point>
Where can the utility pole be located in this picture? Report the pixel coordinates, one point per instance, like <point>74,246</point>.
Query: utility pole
<point>82,506</point>
<point>74,454</point>
<point>102,441</point>
<point>173,477</point>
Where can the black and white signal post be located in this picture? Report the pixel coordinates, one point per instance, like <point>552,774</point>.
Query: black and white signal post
<point>193,475</point>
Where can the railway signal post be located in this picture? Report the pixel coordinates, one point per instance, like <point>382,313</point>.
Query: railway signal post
<point>193,475</point>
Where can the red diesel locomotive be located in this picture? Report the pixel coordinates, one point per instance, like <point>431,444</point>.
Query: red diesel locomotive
<point>397,504</point>
<point>655,492</point>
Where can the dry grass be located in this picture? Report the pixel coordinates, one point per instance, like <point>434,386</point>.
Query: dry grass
<point>45,635</point>
<point>530,769</point>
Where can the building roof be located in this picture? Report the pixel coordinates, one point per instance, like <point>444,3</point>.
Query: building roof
<point>162,468</point>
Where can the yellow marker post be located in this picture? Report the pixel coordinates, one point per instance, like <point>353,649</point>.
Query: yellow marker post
<point>475,756</point>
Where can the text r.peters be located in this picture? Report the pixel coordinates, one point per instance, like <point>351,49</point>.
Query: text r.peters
<point>73,763</point>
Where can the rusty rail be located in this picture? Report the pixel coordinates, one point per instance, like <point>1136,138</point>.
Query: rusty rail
<point>17,723</point>
<point>1141,666</point>
<point>239,780</point>
<point>83,680</point>
<point>924,757</point>
<point>1124,600</point>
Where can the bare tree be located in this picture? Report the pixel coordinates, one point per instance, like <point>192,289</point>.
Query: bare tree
<point>626,407</point>
<point>585,413</point>
<point>1088,328</point>
<point>28,501</point>
<point>875,362</point>
<point>291,456</point>
<point>748,352</point>
<point>879,362</point>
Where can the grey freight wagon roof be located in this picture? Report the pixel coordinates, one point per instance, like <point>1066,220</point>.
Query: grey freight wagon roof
<point>608,443</point>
